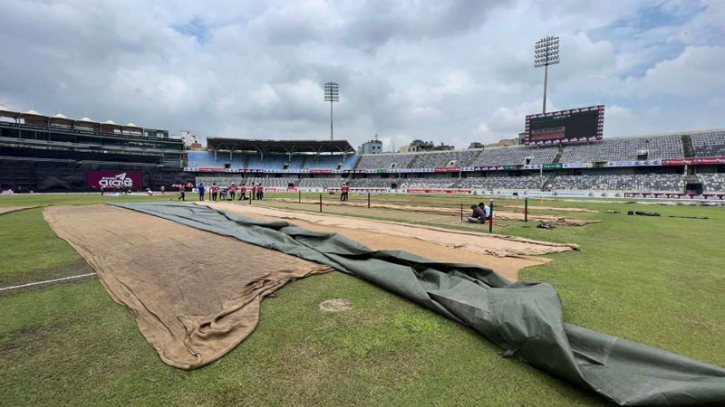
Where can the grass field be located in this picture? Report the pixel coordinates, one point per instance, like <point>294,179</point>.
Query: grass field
<point>659,281</point>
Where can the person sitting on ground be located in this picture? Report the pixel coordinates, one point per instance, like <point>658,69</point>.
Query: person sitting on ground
<point>486,210</point>
<point>478,215</point>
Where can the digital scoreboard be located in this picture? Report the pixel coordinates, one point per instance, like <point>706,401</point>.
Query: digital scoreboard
<point>565,126</point>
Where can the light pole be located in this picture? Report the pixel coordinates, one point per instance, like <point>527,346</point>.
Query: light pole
<point>546,52</point>
<point>332,94</point>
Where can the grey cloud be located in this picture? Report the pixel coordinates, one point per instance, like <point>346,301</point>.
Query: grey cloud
<point>256,70</point>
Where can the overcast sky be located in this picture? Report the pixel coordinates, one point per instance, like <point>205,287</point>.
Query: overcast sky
<point>447,71</point>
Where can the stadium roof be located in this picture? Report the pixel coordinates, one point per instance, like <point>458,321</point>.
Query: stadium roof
<point>280,146</point>
<point>35,116</point>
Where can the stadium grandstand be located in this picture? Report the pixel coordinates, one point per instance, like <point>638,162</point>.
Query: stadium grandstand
<point>57,153</point>
<point>52,153</point>
<point>293,155</point>
<point>676,163</point>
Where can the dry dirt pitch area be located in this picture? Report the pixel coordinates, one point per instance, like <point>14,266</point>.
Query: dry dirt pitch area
<point>655,280</point>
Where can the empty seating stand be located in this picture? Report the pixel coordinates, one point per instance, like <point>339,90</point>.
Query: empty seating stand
<point>516,155</point>
<point>709,144</point>
<point>625,149</point>
<point>712,182</point>
<point>502,182</point>
<point>621,182</point>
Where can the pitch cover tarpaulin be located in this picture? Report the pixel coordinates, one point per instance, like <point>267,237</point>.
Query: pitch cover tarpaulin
<point>195,295</point>
<point>525,320</point>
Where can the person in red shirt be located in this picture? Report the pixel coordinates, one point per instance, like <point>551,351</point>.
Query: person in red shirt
<point>343,194</point>
<point>232,191</point>
<point>214,191</point>
<point>260,194</point>
<point>242,192</point>
<point>182,192</point>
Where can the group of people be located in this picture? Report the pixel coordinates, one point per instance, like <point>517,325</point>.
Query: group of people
<point>256,191</point>
<point>481,213</point>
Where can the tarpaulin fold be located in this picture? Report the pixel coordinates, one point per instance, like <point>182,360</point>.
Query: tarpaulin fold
<point>525,320</point>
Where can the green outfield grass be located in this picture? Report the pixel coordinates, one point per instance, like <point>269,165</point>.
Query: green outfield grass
<point>659,281</point>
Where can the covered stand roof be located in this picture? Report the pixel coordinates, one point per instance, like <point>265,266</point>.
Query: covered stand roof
<point>33,117</point>
<point>280,146</point>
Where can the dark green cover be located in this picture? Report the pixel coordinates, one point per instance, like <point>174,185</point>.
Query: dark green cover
<point>526,320</point>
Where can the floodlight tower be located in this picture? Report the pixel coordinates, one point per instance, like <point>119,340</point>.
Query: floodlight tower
<point>332,94</point>
<point>546,52</point>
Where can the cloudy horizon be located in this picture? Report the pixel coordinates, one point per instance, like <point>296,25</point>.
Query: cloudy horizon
<point>452,72</point>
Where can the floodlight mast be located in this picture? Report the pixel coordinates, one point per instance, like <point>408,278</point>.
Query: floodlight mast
<point>332,94</point>
<point>546,52</point>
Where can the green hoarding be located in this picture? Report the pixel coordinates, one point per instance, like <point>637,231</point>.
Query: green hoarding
<point>551,166</point>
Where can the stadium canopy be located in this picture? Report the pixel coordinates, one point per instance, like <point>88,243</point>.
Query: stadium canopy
<point>33,117</point>
<point>280,146</point>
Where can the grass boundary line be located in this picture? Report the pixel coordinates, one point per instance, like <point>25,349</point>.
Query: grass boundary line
<point>55,280</point>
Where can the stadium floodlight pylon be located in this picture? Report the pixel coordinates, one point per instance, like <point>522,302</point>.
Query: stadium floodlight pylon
<point>332,94</point>
<point>546,52</point>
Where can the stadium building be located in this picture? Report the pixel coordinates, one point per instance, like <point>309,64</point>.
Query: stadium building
<point>56,153</point>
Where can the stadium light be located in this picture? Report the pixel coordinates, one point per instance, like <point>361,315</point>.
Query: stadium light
<point>332,94</point>
<point>546,52</point>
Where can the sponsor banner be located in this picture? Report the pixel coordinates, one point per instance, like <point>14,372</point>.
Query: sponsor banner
<point>112,194</point>
<point>466,169</point>
<point>708,197</point>
<point>642,163</point>
<point>532,166</point>
<point>449,169</point>
<point>114,180</point>
<point>409,170</point>
<point>439,191</point>
<point>674,162</point>
<point>552,166</point>
<point>574,165</point>
<point>371,190</point>
<point>695,161</point>
<point>361,190</point>
<point>367,171</point>
<point>279,189</point>
<point>537,193</point>
<point>382,171</point>
<point>620,164</point>
<point>321,172</point>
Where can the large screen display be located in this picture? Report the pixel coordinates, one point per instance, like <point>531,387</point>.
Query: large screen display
<point>565,126</point>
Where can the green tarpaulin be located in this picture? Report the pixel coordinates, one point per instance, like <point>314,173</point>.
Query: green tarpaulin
<point>525,320</point>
